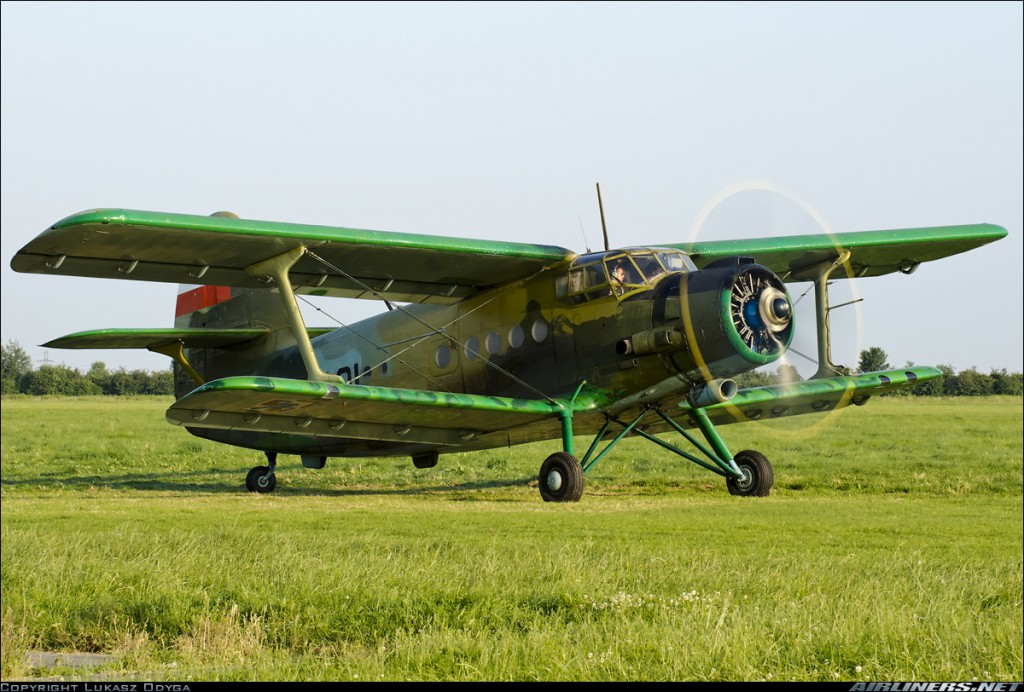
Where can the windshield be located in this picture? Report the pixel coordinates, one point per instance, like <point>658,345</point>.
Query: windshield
<point>618,273</point>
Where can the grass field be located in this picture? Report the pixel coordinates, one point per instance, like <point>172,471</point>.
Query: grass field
<point>890,549</point>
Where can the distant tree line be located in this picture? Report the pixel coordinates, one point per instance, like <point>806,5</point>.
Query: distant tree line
<point>967,382</point>
<point>19,377</point>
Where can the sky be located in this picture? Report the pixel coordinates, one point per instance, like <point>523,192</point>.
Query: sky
<point>496,120</point>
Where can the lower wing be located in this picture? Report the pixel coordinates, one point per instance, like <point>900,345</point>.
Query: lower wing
<point>472,421</point>
<point>812,396</point>
<point>305,407</point>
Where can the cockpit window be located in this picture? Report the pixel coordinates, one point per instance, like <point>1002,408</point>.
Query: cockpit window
<point>599,275</point>
<point>676,261</point>
<point>623,274</point>
<point>649,266</point>
<point>587,282</point>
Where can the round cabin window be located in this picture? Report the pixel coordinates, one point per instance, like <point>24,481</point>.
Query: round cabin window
<point>493,343</point>
<point>472,348</point>
<point>539,330</point>
<point>516,336</point>
<point>443,356</point>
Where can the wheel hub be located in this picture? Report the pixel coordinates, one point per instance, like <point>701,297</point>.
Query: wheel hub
<point>747,481</point>
<point>554,481</point>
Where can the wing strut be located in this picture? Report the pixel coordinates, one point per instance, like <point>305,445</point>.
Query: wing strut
<point>826,368</point>
<point>277,268</point>
<point>176,352</point>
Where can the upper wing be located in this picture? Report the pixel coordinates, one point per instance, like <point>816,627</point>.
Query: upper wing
<point>215,250</point>
<point>872,253</point>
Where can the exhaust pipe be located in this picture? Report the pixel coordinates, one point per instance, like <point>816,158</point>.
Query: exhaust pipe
<point>713,392</point>
<point>650,341</point>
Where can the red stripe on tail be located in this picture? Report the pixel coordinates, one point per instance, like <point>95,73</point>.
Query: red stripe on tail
<point>201,298</point>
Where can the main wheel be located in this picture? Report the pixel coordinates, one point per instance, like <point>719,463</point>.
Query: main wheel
<point>260,480</point>
<point>561,478</point>
<point>758,477</point>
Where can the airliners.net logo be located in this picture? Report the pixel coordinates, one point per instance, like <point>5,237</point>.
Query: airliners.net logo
<point>936,687</point>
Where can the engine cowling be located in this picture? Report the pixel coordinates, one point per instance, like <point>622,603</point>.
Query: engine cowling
<point>730,317</point>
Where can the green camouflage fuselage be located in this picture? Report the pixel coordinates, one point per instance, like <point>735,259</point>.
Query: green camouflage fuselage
<point>537,338</point>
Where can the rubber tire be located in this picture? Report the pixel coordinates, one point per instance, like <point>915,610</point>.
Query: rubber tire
<point>257,480</point>
<point>759,477</point>
<point>565,470</point>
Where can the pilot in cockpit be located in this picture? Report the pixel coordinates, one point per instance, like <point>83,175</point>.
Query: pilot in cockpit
<point>621,275</point>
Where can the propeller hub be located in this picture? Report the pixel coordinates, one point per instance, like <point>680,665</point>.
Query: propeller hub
<point>775,310</point>
<point>782,308</point>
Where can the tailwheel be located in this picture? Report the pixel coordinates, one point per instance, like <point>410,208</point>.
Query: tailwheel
<point>261,480</point>
<point>758,477</point>
<point>561,478</point>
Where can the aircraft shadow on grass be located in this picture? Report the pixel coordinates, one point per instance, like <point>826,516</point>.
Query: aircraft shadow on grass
<point>209,481</point>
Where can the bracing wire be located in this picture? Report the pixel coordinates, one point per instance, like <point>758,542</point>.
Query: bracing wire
<point>390,356</point>
<point>440,331</point>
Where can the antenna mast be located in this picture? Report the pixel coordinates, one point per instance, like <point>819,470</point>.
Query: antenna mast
<point>604,228</point>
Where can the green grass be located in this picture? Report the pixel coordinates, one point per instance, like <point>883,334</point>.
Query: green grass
<point>890,549</point>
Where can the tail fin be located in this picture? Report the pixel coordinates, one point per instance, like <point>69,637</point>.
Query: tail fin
<point>218,307</point>
<point>222,307</point>
<point>226,307</point>
<point>195,302</point>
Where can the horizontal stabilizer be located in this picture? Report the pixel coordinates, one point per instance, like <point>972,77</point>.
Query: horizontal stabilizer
<point>156,338</point>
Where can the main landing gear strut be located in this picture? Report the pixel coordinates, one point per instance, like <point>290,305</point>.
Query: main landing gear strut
<point>748,473</point>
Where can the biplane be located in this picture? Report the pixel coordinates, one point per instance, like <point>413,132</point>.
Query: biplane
<point>484,343</point>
